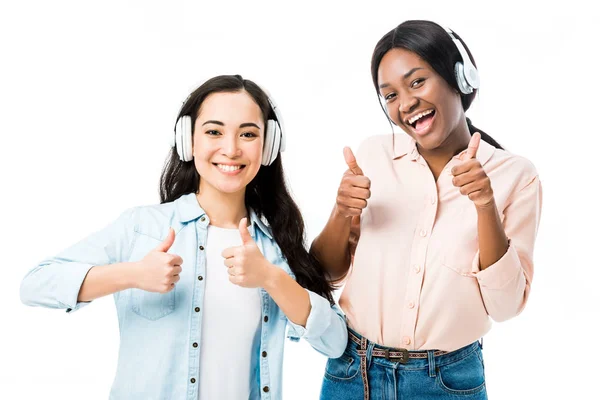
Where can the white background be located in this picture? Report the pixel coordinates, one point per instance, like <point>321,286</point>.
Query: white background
<point>88,96</point>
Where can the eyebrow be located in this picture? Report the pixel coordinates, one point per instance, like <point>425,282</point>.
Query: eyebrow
<point>244,125</point>
<point>247,124</point>
<point>406,75</point>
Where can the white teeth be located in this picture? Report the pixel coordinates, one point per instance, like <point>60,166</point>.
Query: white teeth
<point>229,168</point>
<point>414,119</point>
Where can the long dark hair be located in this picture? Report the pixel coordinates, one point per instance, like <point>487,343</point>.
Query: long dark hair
<point>433,44</point>
<point>266,194</point>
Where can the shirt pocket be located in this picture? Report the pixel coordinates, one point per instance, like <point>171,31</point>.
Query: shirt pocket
<point>459,259</point>
<point>149,305</point>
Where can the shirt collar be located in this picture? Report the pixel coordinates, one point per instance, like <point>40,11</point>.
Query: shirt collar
<point>189,209</point>
<point>403,147</point>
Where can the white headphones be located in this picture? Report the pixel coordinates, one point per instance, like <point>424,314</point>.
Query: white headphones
<point>274,137</point>
<point>466,74</point>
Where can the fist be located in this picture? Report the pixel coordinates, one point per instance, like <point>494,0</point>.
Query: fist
<point>246,265</point>
<point>159,271</point>
<point>354,189</point>
<point>470,178</point>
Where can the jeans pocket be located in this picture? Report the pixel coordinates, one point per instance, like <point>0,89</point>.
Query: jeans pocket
<point>343,368</point>
<point>152,305</point>
<point>464,376</point>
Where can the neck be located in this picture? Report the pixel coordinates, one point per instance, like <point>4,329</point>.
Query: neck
<point>224,210</point>
<point>457,141</point>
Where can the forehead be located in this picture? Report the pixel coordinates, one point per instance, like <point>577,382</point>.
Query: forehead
<point>397,62</point>
<point>230,107</point>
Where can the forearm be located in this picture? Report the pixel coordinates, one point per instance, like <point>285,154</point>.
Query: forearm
<point>493,242</point>
<point>107,279</point>
<point>330,247</point>
<point>291,298</point>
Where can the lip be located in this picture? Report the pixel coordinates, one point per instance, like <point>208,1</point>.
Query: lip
<point>426,130</point>
<point>416,113</point>
<point>229,173</point>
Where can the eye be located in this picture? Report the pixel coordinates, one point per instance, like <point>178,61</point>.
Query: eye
<point>249,135</point>
<point>417,83</point>
<point>389,97</point>
<point>212,132</point>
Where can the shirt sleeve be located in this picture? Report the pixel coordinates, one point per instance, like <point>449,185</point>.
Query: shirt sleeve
<point>55,282</point>
<point>505,284</point>
<point>325,329</point>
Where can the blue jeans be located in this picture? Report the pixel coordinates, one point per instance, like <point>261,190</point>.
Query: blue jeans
<point>455,375</point>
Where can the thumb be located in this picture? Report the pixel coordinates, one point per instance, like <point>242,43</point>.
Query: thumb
<point>167,243</point>
<point>351,161</point>
<point>244,234</point>
<point>473,147</point>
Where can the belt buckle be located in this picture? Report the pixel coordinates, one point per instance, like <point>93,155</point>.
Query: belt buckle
<point>403,359</point>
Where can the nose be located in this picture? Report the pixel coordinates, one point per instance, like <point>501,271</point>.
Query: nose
<point>231,147</point>
<point>408,104</point>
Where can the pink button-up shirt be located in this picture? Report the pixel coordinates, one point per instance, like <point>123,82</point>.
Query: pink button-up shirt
<point>415,282</point>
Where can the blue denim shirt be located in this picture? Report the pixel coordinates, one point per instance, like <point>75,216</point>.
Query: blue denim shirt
<point>157,358</point>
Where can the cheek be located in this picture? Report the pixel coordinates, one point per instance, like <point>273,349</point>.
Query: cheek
<point>204,148</point>
<point>253,151</point>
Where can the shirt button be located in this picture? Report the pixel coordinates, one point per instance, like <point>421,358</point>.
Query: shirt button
<point>266,319</point>
<point>193,380</point>
<point>417,269</point>
<point>411,305</point>
<point>203,219</point>
<point>200,278</point>
<point>406,340</point>
<point>264,353</point>
<point>197,309</point>
<point>195,344</point>
<point>423,233</point>
<point>266,389</point>
<point>201,247</point>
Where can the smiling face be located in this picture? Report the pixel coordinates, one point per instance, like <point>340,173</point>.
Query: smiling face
<point>228,141</point>
<point>419,100</point>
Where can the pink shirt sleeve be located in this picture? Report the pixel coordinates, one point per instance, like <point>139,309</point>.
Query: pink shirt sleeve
<point>505,284</point>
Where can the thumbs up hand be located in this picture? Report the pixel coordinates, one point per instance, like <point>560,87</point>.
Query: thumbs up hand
<point>354,190</point>
<point>246,265</point>
<point>159,271</point>
<point>470,177</point>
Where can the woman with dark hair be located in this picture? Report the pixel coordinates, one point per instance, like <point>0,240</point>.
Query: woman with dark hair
<point>433,231</point>
<point>206,282</point>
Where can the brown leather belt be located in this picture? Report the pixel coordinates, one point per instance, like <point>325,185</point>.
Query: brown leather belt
<point>399,355</point>
<point>395,355</point>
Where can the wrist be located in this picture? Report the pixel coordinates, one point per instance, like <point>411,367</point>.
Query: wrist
<point>486,208</point>
<point>129,273</point>
<point>338,216</point>
<point>272,277</point>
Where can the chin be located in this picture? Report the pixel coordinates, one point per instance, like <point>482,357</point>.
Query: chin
<point>230,188</point>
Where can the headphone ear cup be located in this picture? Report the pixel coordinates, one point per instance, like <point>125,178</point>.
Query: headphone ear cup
<point>187,139</point>
<point>183,138</point>
<point>459,73</point>
<point>268,144</point>
<point>178,140</point>
<point>277,142</point>
<point>471,75</point>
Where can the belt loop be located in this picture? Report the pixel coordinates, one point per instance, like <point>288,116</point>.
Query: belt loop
<point>481,343</point>
<point>363,366</point>
<point>370,348</point>
<point>431,362</point>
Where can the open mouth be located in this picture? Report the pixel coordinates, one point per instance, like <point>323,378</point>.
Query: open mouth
<point>229,168</point>
<point>422,121</point>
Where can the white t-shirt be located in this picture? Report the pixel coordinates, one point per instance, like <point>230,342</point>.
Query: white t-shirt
<point>230,339</point>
